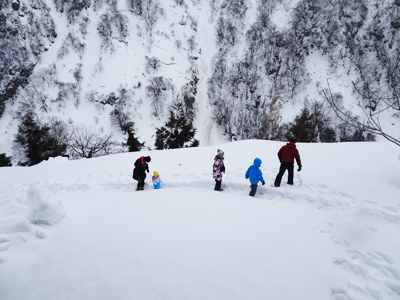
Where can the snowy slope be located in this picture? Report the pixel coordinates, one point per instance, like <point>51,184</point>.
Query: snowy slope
<point>333,235</point>
<point>82,68</point>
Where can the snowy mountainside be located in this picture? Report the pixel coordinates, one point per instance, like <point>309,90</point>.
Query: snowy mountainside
<point>242,69</point>
<point>294,49</point>
<point>330,236</point>
<point>108,58</point>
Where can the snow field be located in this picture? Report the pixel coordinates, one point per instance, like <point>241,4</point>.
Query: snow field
<point>333,235</point>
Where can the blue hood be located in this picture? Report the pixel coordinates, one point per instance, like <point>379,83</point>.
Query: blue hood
<point>254,173</point>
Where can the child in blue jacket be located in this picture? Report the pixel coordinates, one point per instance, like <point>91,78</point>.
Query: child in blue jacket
<point>157,183</point>
<point>255,175</point>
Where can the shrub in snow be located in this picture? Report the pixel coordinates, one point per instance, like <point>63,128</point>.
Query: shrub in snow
<point>43,208</point>
<point>72,8</point>
<point>152,64</point>
<point>104,30</point>
<point>135,6</point>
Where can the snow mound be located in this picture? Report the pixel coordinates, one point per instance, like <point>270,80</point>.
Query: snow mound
<point>43,207</point>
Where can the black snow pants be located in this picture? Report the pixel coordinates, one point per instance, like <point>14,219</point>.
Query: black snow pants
<point>285,166</point>
<point>253,190</point>
<point>140,179</point>
<point>218,185</point>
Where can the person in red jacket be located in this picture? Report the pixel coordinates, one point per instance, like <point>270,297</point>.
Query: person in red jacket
<point>287,154</point>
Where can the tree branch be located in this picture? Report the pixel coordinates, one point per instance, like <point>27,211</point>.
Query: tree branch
<point>372,123</point>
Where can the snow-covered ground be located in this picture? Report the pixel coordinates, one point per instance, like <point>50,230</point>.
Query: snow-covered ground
<point>335,234</point>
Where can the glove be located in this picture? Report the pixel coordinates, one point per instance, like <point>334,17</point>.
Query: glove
<point>222,169</point>
<point>263,183</point>
<point>148,170</point>
<point>299,169</point>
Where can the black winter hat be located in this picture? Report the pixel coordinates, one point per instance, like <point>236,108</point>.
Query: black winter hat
<point>147,158</point>
<point>293,140</point>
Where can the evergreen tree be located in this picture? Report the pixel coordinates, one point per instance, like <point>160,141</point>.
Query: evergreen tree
<point>312,127</point>
<point>132,142</point>
<point>178,131</point>
<point>5,161</point>
<point>321,121</point>
<point>348,134</point>
<point>36,142</point>
<point>328,135</point>
<point>303,129</point>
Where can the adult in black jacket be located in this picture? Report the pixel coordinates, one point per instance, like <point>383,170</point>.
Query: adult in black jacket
<point>139,172</point>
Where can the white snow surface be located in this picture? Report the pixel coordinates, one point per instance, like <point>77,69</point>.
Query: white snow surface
<point>335,234</point>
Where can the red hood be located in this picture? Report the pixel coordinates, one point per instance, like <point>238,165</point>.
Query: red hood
<point>291,145</point>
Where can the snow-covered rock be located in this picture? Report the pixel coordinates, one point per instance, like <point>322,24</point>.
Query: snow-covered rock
<point>43,207</point>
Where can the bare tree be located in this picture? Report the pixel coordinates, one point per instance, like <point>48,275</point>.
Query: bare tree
<point>88,142</point>
<point>156,91</point>
<point>150,11</point>
<point>374,106</point>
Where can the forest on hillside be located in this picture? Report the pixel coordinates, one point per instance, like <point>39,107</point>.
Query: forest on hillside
<point>247,92</point>
<point>257,70</point>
